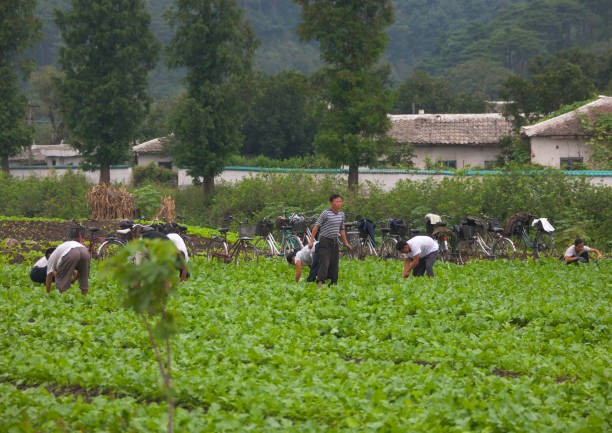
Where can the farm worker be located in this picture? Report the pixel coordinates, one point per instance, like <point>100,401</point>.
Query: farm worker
<point>328,226</point>
<point>67,258</point>
<point>579,252</point>
<point>179,243</point>
<point>422,252</point>
<point>38,274</point>
<point>305,257</point>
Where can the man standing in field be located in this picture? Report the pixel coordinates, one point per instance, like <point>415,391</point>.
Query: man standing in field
<point>422,252</point>
<point>329,225</point>
<point>67,258</point>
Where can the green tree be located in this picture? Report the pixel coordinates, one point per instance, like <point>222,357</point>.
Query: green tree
<point>216,47</point>
<point>44,86</point>
<point>107,54</point>
<point>19,29</point>
<point>352,38</point>
<point>282,121</point>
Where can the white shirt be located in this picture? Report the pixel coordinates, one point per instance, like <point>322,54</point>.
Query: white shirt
<point>305,255</point>
<point>56,256</point>
<point>422,246</point>
<point>179,243</point>
<point>571,251</point>
<point>41,263</point>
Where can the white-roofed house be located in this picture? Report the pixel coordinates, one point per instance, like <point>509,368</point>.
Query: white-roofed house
<point>153,151</point>
<point>55,154</point>
<point>561,142</point>
<point>456,140</point>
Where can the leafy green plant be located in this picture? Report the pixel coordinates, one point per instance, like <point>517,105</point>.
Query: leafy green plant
<point>149,282</point>
<point>148,200</point>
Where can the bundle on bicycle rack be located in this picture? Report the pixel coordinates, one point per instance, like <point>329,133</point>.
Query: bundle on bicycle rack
<point>397,227</point>
<point>516,223</point>
<point>366,228</point>
<point>264,227</point>
<point>470,226</point>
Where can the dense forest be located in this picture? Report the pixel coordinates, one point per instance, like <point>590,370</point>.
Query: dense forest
<point>474,44</point>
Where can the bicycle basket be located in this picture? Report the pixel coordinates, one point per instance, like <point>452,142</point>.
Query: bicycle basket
<point>246,230</point>
<point>264,227</point>
<point>466,231</point>
<point>298,225</point>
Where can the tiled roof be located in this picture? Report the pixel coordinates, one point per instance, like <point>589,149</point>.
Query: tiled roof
<point>157,145</point>
<point>62,149</point>
<point>568,124</point>
<point>467,129</point>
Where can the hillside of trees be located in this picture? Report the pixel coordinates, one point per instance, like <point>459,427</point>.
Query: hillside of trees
<point>475,45</point>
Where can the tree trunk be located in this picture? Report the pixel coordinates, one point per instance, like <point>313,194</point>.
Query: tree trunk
<point>208,186</point>
<point>4,164</point>
<point>105,174</point>
<point>353,176</point>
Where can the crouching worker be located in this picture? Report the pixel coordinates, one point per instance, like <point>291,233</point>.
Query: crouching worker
<point>38,274</point>
<point>305,257</point>
<point>181,248</point>
<point>579,252</point>
<point>67,258</point>
<point>422,252</point>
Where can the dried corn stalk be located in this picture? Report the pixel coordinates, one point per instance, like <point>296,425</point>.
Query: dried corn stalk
<point>108,202</point>
<point>167,210</point>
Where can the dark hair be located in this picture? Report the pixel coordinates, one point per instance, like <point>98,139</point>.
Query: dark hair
<point>290,255</point>
<point>334,196</point>
<point>400,244</point>
<point>578,241</point>
<point>49,251</point>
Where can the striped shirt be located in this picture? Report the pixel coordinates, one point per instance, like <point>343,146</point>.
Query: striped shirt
<point>330,223</point>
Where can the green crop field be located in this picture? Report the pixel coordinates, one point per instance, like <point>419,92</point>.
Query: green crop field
<point>492,346</point>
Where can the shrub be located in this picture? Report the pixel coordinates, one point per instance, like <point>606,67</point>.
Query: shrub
<point>152,173</point>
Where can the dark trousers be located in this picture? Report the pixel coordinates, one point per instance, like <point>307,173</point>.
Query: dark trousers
<point>314,268</point>
<point>425,265</point>
<point>39,275</point>
<point>329,257</point>
<point>582,257</point>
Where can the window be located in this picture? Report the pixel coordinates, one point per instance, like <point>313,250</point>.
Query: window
<point>449,164</point>
<point>165,164</point>
<point>572,163</point>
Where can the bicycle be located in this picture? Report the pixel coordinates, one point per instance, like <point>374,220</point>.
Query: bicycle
<point>541,243</point>
<point>242,250</point>
<point>99,247</point>
<point>264,239</point>
<point>364,244</point>
<point>446,238</point>
<point>483,239</point>
<point>391,231</point>
<point>173,227</point>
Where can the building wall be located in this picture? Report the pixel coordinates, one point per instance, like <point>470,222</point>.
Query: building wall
<point>147,158</point>
<point>548,151</point>
<point>465,156</point>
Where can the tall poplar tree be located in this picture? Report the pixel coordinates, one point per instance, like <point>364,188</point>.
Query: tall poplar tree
<point>351,36</point>
<point>19,29</point>
<point>216,46</point>
<point>107,54</point>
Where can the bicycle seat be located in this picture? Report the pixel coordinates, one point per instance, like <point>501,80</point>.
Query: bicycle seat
<point>286,227</point>
<point>415,231</point>
<point>245,238</point>
<point>385,230</point>
<point>93,229</point>
<point>224,230</point>
<point>497,229</point>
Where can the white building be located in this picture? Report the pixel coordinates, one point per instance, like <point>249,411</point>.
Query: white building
<point>561,141</point>
<point>457,140</point>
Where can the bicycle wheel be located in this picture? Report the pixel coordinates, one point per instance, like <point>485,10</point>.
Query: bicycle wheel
<point>467,250</point>
<point>109,248</point>
<point>189,244</point>
<point>291,243</point>
<point>263,247</point>
<point>545,245</point>
<point>503,248</point>
<point>521,242</point>
<point>217,249</point>
<point>355,242</point>
<point>243,251</point>
<point>388,250</point>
